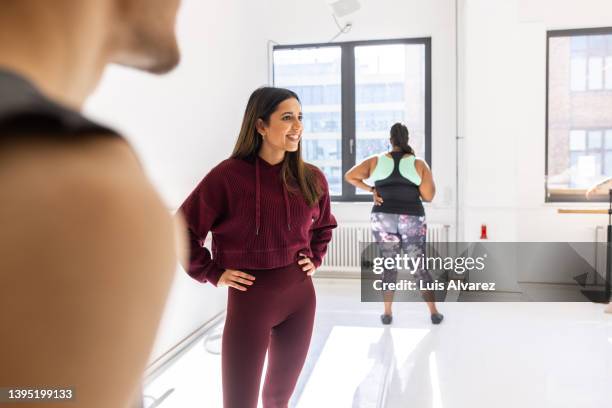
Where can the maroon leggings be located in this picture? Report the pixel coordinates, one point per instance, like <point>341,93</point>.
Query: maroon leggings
<point>276,315</point>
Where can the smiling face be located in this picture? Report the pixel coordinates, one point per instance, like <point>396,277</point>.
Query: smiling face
<point>283,131</point>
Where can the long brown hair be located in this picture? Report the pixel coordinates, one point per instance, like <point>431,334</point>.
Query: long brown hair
<point>296,174</point>
<point>399,138</point>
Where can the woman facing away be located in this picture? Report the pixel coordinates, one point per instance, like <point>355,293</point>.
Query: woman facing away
<point>401,183</point>
<point>269,214</point>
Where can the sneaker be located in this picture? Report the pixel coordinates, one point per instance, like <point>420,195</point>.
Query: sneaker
<point>436,318</point>
<point>386,319</point>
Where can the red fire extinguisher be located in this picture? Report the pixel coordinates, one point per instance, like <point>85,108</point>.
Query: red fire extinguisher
<point>483,231</point>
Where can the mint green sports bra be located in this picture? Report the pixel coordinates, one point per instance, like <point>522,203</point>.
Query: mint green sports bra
<point>385,165</point>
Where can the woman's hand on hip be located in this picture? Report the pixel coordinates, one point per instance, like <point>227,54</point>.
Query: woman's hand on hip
<point>307,265</point>
<point>376,197</point>
<point>236,279</point>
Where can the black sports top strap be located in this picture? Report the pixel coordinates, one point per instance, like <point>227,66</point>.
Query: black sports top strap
<point>400,195</point>
<point>24,110</point>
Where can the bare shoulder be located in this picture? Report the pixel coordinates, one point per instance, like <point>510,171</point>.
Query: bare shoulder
<point>372,160</point>
<point>369,162</point>
<point>419,162</point>
<point>421,165</point>
<point>87,256</point>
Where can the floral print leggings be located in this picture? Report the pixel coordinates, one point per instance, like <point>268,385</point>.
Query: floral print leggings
<point>400,234</point>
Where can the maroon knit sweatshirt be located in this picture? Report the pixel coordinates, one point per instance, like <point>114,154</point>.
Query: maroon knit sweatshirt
<point>255,222</point>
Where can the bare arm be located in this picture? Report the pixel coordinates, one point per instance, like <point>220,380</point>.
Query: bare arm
<point>600,188</point>
<point>427,187</point>
<point>360,172</point>
<point>87,255</point>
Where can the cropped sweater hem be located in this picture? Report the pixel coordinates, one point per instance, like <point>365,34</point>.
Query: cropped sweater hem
<point>260,259</point>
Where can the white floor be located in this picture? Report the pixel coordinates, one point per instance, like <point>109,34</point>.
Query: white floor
<point>482,355</point>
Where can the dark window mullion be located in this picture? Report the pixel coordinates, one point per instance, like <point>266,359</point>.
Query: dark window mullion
<point>428,145</point>
<point>348,116</point>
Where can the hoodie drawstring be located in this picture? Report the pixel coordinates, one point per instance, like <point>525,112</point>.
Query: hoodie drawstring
<point>257,201</point>
<point>257,214</point>
<point>287,213</point>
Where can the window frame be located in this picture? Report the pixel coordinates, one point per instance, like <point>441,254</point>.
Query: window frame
<point>569,194</point>
<point>348,98</point>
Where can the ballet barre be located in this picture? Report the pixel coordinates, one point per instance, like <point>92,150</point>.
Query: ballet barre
<point>582,211</point>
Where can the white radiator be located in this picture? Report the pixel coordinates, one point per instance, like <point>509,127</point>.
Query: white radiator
<point>343,253</point>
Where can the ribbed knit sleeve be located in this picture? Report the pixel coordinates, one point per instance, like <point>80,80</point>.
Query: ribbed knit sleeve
<point>199,210</point>
<point>322,227</point>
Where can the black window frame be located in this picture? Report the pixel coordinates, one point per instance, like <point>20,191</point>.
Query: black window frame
<point>574,32</point>
<point>347,103</point>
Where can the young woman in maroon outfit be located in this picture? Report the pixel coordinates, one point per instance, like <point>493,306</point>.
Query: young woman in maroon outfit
<point>269,214</point>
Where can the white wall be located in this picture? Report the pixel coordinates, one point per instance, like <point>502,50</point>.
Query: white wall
<point>504,67</point>
<point>301,22</point>
<point>183,123</point>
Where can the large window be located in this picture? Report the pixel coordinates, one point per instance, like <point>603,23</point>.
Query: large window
<point>579,112</point>
<point>351,94</point>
